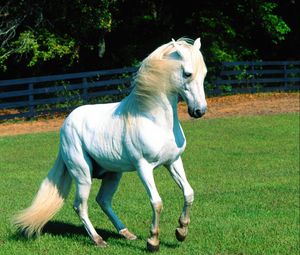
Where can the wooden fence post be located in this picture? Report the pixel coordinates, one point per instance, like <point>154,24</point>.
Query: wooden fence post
<point>31,101</point>
<point>285,74</point>
<point>253,73</point>
<point>218,89</point>
<point>85,94</point>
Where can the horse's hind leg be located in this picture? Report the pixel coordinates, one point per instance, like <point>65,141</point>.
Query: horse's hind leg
<point>80,168</point>
<point>81,208</point>
<point>104,198</point>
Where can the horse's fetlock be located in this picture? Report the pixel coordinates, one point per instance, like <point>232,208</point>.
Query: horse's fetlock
<point>158,207</point>
<point>154,231</point>
<point>184,222</point>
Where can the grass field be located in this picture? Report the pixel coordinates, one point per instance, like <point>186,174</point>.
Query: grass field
<point>244,170</point>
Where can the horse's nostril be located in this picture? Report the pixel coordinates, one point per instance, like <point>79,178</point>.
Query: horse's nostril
<point>199,113</point>
<point>195,113</point>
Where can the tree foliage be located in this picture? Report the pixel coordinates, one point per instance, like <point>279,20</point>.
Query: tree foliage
<point>34,32</point>
<point>39,37</point>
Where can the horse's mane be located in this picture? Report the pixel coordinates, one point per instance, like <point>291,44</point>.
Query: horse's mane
<point>153,76</point>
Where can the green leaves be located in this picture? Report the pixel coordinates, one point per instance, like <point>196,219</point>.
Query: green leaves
<point>274,25</point>
<point>43,46</point>
<point>110,33</point>
<point>43,31</point>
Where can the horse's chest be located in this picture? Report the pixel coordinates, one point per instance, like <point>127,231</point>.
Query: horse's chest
<point>170,152</point>
<point>163,147</point>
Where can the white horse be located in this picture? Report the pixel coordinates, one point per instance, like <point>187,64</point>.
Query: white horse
<point>139,133</point>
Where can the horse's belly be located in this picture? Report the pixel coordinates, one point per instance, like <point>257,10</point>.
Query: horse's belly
<point>113,165</point>
<point>107,149</point>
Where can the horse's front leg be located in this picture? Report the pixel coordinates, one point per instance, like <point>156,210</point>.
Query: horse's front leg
<point>145,171</point>
<point>177,171</point>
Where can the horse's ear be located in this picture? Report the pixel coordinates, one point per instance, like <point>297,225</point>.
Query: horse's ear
<point>197,43</point>
<point>177,47</point>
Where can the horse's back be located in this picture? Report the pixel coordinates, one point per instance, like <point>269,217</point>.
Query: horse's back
<point>90,114</point>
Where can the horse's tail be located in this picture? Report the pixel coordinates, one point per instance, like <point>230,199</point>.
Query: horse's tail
<point>49,199</point>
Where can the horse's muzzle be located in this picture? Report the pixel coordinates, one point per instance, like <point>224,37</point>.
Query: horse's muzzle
<point>196,113</point>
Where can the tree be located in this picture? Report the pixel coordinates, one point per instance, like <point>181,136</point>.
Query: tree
<point>40,37</point>
<point>230,30</point>
<point>33,32</point>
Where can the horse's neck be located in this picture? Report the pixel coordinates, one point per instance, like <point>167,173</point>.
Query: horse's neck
<point>171,110</point>
<point>164,111</point>
<point>160,109</point>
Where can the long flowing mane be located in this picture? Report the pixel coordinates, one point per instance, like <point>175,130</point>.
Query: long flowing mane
<point>153,76</point>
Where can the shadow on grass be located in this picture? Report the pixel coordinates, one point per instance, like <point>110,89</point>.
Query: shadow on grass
<point>58,228</point>
<point>68,230</point>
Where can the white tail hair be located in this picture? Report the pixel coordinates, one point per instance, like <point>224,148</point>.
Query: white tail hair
<point>49,199</point>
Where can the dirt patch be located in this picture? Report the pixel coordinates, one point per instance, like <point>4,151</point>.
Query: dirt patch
<point>235,105</point>
<point>248,104</point>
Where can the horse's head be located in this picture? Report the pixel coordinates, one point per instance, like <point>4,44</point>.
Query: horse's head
<point>189,78</point>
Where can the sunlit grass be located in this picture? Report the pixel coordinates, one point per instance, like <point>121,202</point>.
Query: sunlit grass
<point>245,173</point>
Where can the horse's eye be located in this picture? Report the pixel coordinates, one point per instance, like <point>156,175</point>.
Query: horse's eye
<point>187,75</point>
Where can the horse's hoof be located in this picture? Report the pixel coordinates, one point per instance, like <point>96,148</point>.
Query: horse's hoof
<point>99,242</point>
<point>152,247</point>
<point>102,244</point>
<point>127,234</point>
<point>180,234</point>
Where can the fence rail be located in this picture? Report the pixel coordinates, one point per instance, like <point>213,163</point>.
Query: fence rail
<point>32,97</point>
<point>259,76</point>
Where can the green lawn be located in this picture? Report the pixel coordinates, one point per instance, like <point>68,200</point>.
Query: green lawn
<point>244,170</point>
